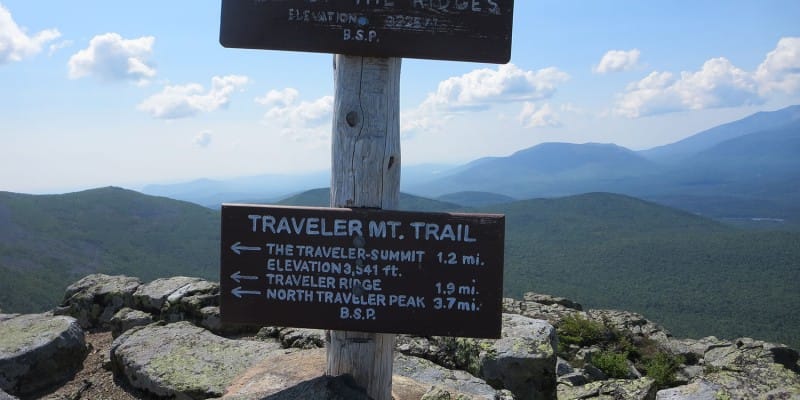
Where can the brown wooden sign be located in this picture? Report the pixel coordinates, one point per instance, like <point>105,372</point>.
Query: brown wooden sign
<point>362,270</point>
<point>459,30</point>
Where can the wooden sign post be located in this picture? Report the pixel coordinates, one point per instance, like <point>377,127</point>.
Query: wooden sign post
<point>368,37</point>
<point>365,173</point>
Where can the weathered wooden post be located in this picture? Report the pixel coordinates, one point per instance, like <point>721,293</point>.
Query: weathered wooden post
<point>359,270</point>
<point>365,173</point>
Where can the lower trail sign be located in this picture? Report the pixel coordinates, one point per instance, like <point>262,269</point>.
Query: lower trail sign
<point>363,270</point>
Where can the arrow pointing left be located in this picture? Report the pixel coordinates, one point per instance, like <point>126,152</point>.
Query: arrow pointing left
<point>238,292</point>
<point>238,277</point>
<point>238,248</point>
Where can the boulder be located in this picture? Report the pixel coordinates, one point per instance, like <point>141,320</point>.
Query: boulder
<point>537,306</point>
<point>187,303</point>
<point>95,299</point>
<point>210,319</point>
<point>692,350</point>
<point>6,396</point>
<point>183,361</point>
<point>617,389</point>
<point>700,390</point>
<point>523,360</point>
<point>549,300</point>
<point>299,338</point>
<point>128,318</point>
<point>152,296</point>
<point>745,353</point>
<point>627,321</point>
<point>39,351</point>
<point>456,382</point>
<point>751,368</point>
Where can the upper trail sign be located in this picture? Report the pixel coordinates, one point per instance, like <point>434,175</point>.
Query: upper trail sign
<point>457,30</point>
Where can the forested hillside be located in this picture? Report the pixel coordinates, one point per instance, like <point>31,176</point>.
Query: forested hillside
<point>48,241</point>
<point>696,276</point>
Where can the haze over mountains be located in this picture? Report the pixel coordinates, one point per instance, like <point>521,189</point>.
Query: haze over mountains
<point>744,170</point>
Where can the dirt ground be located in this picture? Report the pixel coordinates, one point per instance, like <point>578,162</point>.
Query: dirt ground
<point>94,381</point>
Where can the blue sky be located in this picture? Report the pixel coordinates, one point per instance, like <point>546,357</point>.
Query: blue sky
<point>129,93</point>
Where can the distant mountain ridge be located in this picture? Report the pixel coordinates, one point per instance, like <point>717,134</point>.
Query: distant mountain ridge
<point>707,139</point>
<point>746,169</point>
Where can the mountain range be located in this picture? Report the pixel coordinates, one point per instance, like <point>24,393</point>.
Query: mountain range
<point>745,171</point>
<point>693,274</point>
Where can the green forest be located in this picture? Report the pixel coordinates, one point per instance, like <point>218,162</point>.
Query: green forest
<point>695,276</point>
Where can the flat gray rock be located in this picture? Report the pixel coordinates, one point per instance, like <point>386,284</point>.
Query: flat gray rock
<point>39,351</point>
<point>183,361</point>
<point>455,382</point>
<point>701,390</point>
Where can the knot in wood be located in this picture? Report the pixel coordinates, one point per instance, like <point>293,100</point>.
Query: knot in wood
<point>352,119</point>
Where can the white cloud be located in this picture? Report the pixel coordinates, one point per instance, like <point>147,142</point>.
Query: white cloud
<point>780,71</point>
<point>181,101</point>
<point>479,90</point>
<point>618,60</point>
<point>300,120</point>
<point>109,57</point>
<point>717,84</point>
<point>533,117</point>
<point>15,44</point>
<point>203,139</point>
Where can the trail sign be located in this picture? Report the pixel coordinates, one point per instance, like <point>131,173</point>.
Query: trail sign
<point>362,270</point>
<point>458,30</point>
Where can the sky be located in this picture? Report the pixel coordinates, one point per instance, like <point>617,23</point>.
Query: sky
<point>133,93</point>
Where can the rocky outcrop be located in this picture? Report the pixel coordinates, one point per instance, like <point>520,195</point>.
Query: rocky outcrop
<point>522,361</point>
<point>632,323</point>
<point>747,368</point>
<point>170,343</point>
<point>38,351</point>
<point>540,306</point>
<point>95,299</point>
<point>183,361</point>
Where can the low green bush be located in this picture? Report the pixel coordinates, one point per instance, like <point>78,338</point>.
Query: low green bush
<point>662,368</point>
<point>614,365</point>
<point>575,329</point>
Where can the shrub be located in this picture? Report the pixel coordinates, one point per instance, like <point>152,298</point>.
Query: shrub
<point>575,329</point>
<point>662,367</point>
<point>615,365</point>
